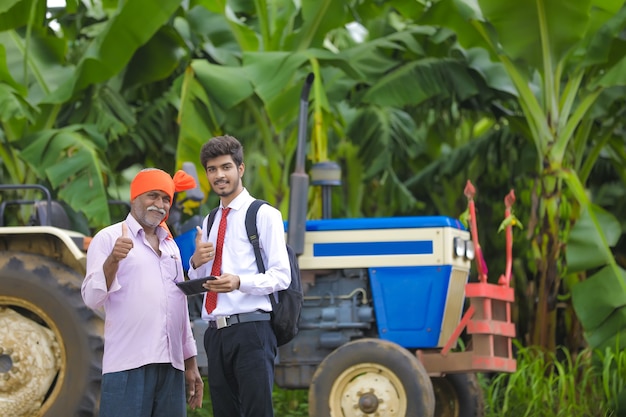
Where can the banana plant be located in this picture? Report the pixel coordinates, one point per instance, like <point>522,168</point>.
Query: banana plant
<point>251,82</point>
<point>563,58</point>
<point>49,82</point>
<point>363,101</point>
<point>599,299</point>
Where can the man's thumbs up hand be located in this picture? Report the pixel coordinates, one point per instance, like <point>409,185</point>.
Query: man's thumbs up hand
<point>198,235</point>
<point>204,251</point>
<point>122,245</point>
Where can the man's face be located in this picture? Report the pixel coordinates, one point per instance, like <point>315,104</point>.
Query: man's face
<point>223,175</point>
<point>150,208</point>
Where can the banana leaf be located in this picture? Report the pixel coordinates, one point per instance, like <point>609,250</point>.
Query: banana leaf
<point>599,300</point>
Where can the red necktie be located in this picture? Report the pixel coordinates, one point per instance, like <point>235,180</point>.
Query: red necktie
<point>211,296</point>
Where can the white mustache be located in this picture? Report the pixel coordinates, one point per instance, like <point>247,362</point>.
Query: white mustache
<point>160,210</point>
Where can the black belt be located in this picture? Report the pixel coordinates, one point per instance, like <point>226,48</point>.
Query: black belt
<point>226,321</point>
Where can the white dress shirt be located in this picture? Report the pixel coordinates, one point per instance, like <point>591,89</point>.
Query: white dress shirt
<point>238,258</point>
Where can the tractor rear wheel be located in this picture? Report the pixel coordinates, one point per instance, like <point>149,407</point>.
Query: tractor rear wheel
<point>458,395</point>
<point>51,355</point>
<point>371,377</point>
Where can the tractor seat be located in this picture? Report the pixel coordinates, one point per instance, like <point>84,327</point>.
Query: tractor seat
<point>58,215</point>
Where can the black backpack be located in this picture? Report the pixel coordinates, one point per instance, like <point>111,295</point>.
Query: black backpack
<point>286,311</point>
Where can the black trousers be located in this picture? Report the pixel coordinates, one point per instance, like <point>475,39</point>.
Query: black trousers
<point>241,369</point>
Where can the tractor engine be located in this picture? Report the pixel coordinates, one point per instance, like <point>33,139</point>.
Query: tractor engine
<point>337,309</point>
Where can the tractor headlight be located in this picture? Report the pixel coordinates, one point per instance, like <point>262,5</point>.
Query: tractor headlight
<point>459,247</point>
<point>470,252</point>
<point>464,248</point>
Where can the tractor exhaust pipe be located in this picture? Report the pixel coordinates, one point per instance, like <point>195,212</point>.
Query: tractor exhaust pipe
<point>299,180</point>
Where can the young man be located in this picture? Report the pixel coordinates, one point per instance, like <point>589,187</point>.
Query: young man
<point>132,270</point>
<point>239,342</point>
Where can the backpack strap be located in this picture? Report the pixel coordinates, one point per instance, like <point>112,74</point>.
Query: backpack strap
<point>253,237</point>
<point>210,221</point>
<point>253,233</point>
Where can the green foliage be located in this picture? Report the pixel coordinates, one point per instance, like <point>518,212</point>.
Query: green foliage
<point>291,403</point>
<point>71,115</point>
<point>560,57</point>
<point>598,300</point>
<point>613,365</point>
<point>287,403</point>
<point>559,385</point>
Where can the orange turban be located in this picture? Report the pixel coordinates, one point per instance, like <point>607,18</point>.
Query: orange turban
<point>156,179</point>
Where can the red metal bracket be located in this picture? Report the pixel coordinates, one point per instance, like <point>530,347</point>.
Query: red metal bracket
<point>488,318</point>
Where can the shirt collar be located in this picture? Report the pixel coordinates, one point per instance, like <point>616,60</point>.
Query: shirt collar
<point>239,201</point>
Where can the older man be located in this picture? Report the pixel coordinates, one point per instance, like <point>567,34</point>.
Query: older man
<point>132,270</point>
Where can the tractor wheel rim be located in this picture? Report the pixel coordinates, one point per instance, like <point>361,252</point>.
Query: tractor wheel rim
<point>32,358</point>
<point>367,389</point>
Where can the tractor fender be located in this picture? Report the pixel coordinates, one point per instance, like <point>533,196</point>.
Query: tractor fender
<point>64,246</point>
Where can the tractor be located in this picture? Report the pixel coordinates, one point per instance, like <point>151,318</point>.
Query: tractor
<point>386,303</point>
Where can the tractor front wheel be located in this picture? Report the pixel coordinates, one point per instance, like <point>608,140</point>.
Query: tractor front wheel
<point>371,377</point>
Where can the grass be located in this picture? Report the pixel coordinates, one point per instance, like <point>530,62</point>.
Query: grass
<point>558,385</point>
<point>591,384</point>
<point>287,403</point>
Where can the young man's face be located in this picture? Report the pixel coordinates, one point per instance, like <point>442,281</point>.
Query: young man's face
<point>150,208</point>
<point>224,175</point>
